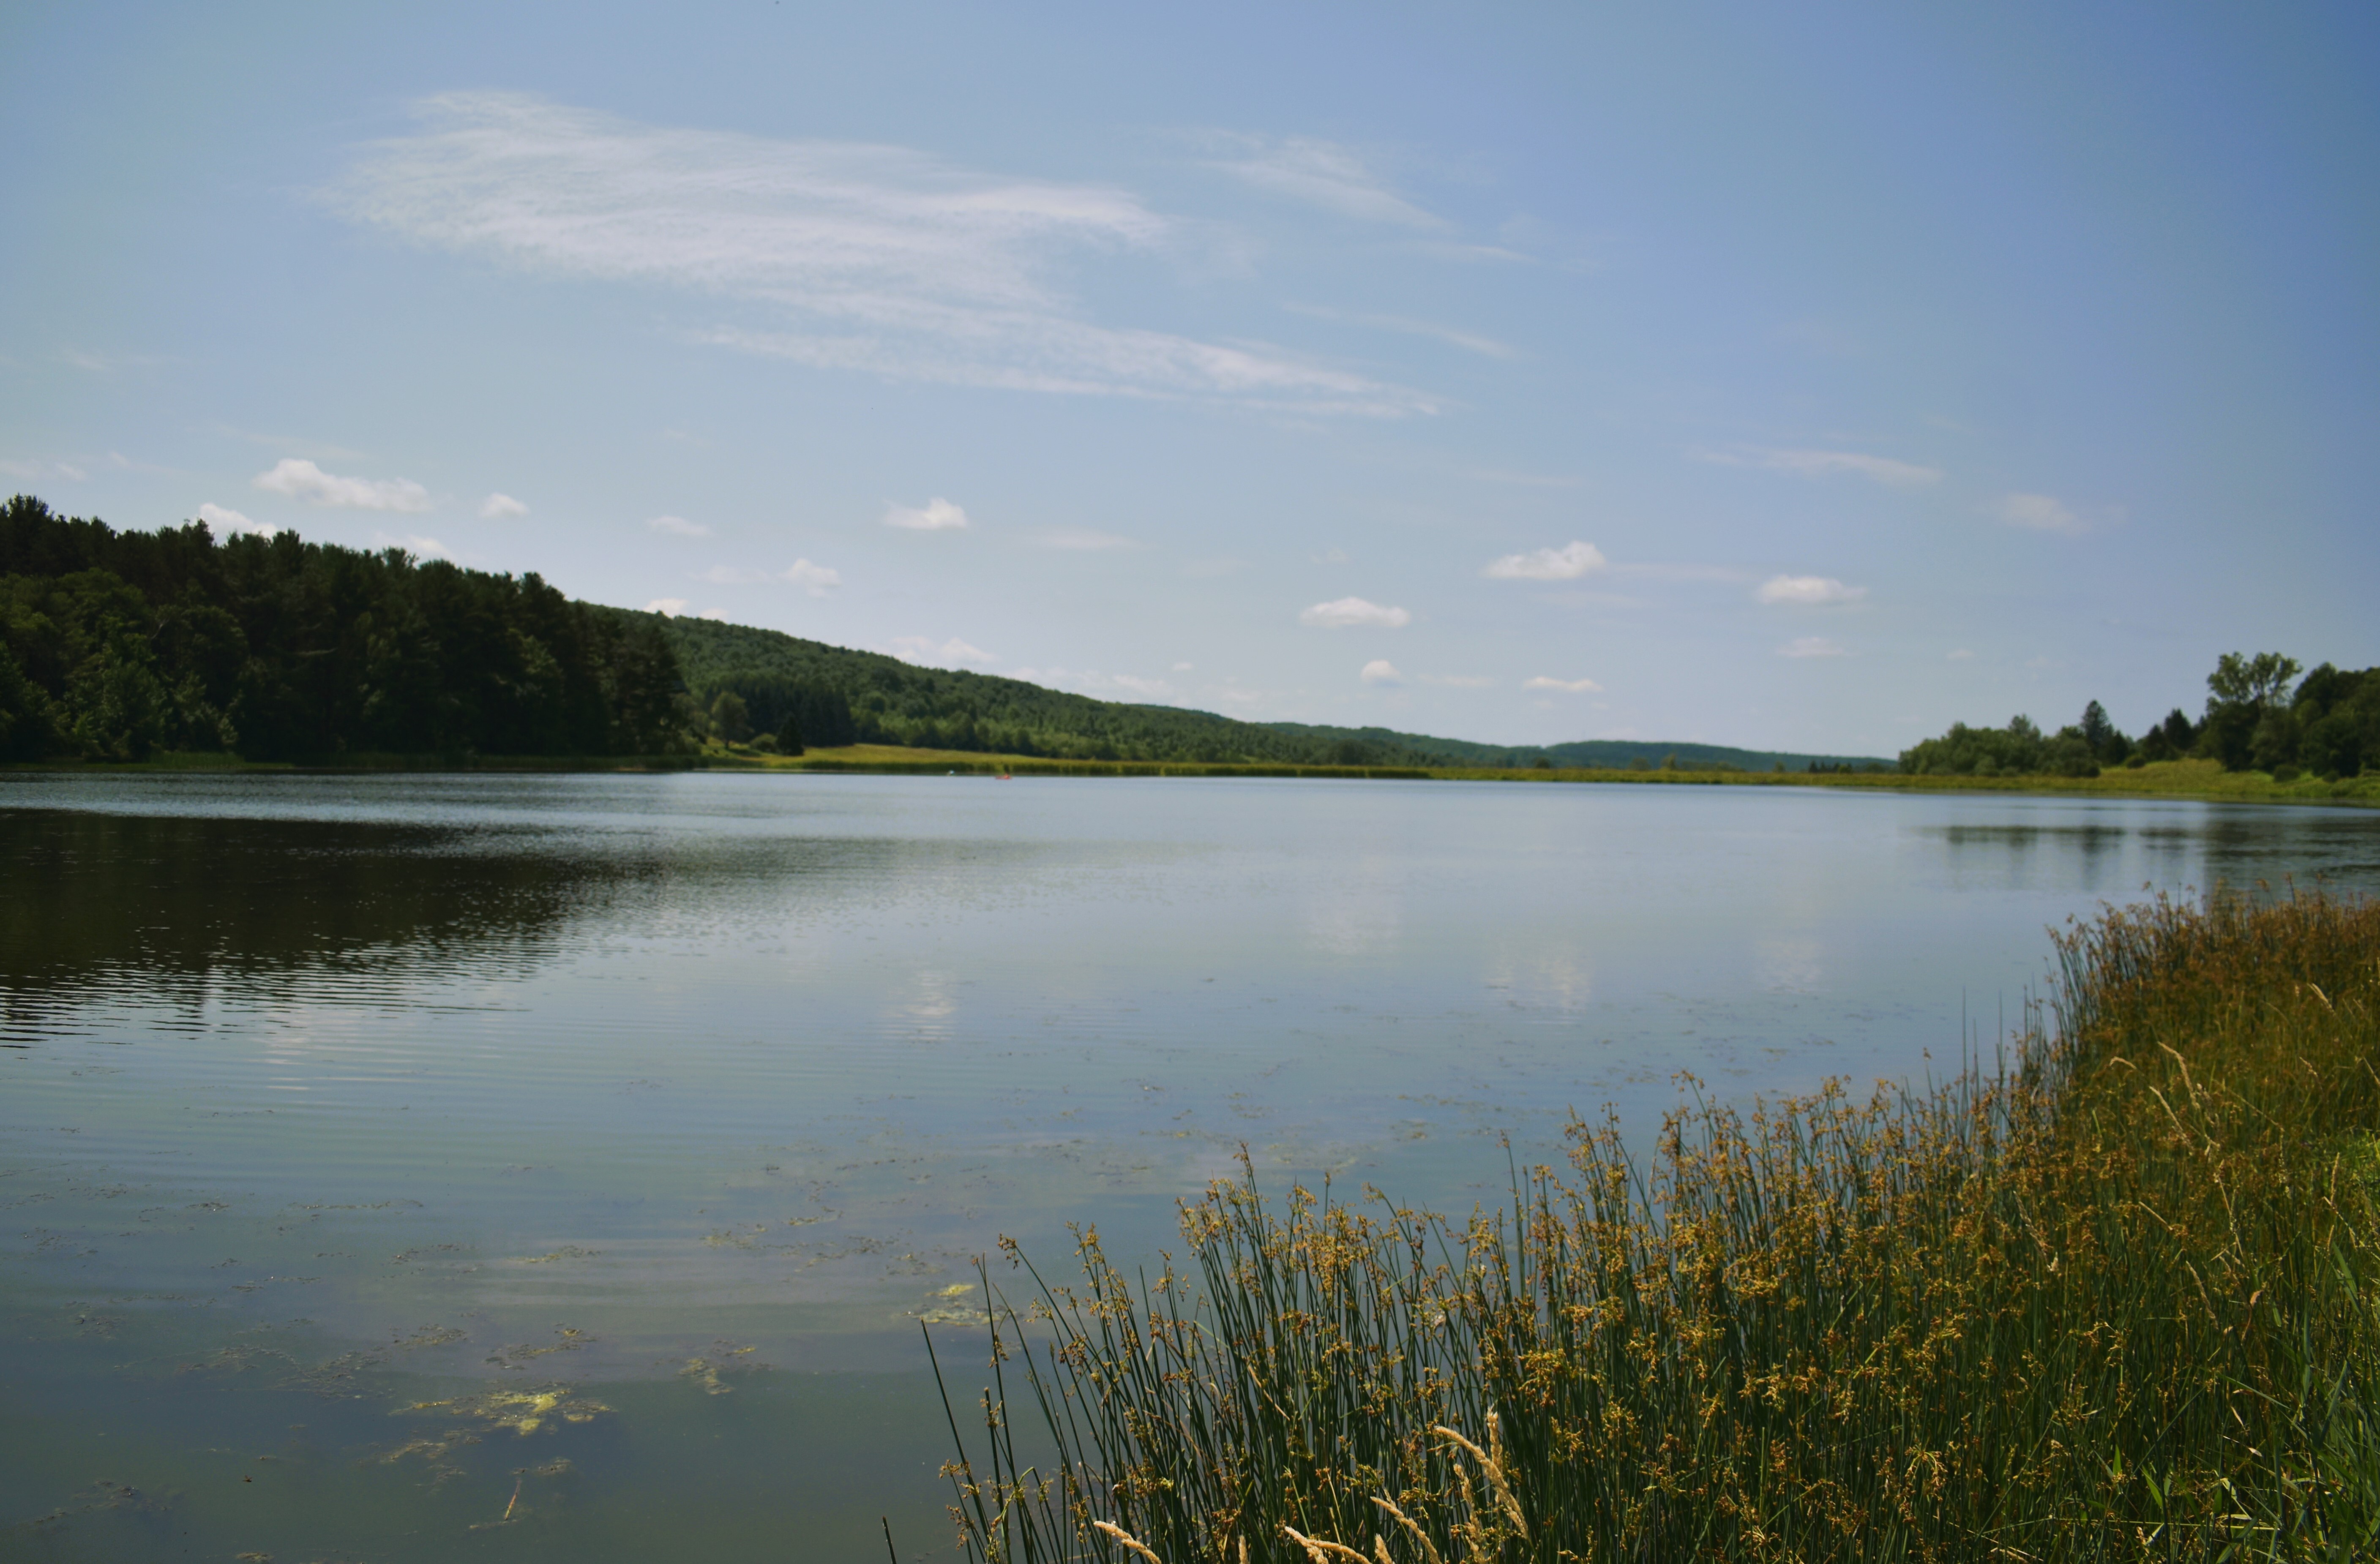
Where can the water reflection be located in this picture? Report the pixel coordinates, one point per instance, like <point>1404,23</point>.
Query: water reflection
<point>2255,850</point>
<point>611,1086</point>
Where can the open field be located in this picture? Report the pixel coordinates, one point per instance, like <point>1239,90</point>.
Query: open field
<point>2174,779</point>
<point>2120,1299</point>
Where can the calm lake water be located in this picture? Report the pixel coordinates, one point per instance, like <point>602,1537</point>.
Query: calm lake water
<point>383,1158</point>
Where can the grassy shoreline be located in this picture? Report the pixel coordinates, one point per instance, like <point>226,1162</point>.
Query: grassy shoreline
<point>2118,1300</point>
<point>2197,780</point>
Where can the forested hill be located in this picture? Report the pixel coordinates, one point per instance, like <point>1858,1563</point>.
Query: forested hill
<point>1599,754</point>
<point>117,643</point>
<point>774,675</point>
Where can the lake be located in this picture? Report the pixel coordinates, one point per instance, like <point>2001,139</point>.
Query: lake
<point>560,1167</point>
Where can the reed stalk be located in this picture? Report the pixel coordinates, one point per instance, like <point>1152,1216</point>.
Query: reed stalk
<point>2111,1297</point>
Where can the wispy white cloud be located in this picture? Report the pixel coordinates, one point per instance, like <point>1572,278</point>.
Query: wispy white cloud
<point>1807,589</point>
<point>1381,670</point>
<point>925,649</point>
<point>415,544</point>
<point>816,579</point>
<point>1823,464</point>
<point>500,507</point>
<point>678,527</point>
<point>671,607</point>
<point>937,514</point>
<point>223,522</point>
<point>44,469</point>
<point>2039,512</point>
<point>1568,562</point>
<point>1347,613</point>
<point>1569,686</point>
<point>1080,540</point>
<point>1526,480</point>
<point>1470,342</point>
<point>1810,645</point>
<point>301,480</point>
<point>1319,173</point>
<point>871,257</point>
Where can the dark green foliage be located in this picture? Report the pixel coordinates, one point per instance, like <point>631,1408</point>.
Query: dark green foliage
<point>2247,724</point>
<point>837,697</point>
<point>730,719</point>
<point>2330,727</point>
<point>114,645</point>
<point>2170,740</point>
<point>2020,749</point>
<point>2338,715</point>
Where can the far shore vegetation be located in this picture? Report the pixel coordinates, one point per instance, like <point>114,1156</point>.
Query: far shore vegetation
<point>174,651</point>
<point>2114,1296</point>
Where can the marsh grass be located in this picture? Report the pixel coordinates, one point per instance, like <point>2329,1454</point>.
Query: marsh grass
<point>2111,1298</point>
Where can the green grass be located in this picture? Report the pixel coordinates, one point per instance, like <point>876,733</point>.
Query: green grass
<point>2113,1302</point>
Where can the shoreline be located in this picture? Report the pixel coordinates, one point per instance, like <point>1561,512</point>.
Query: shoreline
<point>2198,781</point>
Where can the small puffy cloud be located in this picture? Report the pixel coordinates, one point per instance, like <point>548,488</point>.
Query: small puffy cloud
<point>2039,512</point>
<point>1807,589</point>
<point>500,507</point>
<point>815,579</point>
<point>1822,464</point>
<point>718,615</point>
<point>223,524</point>
<point>1810,645</point>
<point>1381,670</point>
<point>1568,686</point>
<point>678,527</point>
<point>301,480</point>
<point>925,649</point>
<point>938,515</point>
<point>1348,614</point>
<point>414,543</point>
<point>669,608</point>
<point>1568,562</point>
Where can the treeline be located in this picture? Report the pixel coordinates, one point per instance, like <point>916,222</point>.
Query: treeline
<point>2328,726</point>
<point>114,645</point>
<point>1592,754</point>
<point>771,676</point>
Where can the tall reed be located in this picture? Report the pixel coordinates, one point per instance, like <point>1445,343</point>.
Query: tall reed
<point>2115,1300</point>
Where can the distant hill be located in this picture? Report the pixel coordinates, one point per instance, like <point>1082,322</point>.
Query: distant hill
<point>889,701</point>
<point>1605,754</point>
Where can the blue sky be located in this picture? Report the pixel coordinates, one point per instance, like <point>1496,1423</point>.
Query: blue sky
<point>1801,377</point>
